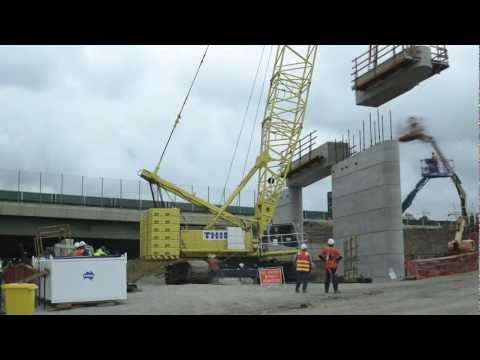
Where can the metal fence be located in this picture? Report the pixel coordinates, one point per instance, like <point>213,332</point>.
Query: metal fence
<point>31,186</point>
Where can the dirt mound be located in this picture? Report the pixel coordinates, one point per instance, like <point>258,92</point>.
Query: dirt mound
<point>137,269</point>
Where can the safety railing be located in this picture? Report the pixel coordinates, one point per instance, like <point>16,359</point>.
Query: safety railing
<point>50,188</point>
<point>374,56</point>
<point>439,54</point>
<point>76,190</point>
<point>305,145</point>
<point>429,168</point>
<point>281,242</point>
<point>378,54</point>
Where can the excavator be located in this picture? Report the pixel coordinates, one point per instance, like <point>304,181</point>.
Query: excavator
<point>416,131</point>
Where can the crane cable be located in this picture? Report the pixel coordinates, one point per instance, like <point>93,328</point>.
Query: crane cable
<point>174,204</point>
<point>255,119</point>
<point>153,195</point>
<point>243,122</point>
<point>177,120</point>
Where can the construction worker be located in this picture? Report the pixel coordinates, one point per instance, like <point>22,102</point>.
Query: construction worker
<point>214,265</point>
<point>331,257</point>
<point>434,162</point>
<point>89,251</point>
<point>79,249</point>
<point>304,265</point>
<point>100,251</point>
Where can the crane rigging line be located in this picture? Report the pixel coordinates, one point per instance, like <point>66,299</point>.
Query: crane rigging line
<point>243,122</point>
<point>255,119</point>
<point>175,205</point>
<point>177,120</point>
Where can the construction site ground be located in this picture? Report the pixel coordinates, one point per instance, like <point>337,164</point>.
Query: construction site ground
<point>456,294</point>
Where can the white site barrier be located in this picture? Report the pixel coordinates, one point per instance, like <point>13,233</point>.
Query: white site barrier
<point>83,279</point>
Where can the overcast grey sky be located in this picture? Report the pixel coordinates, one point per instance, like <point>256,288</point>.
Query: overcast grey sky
<point>107,111</point>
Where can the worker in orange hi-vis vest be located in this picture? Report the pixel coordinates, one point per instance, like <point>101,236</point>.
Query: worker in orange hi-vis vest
<point>304,264</point>
<point>331,257</point>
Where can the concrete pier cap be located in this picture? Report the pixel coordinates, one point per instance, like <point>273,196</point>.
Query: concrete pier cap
<point>398,74</point>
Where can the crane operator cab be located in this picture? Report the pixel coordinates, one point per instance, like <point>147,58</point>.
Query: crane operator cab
<point>282,234</point>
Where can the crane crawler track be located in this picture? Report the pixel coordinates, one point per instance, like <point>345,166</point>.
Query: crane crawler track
<point>188,272</point>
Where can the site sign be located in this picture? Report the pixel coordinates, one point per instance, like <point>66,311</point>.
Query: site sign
<point>271,276</point>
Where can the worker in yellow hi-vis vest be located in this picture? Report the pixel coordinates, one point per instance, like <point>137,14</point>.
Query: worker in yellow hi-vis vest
<point>304,265</point>
<point>101,251</point>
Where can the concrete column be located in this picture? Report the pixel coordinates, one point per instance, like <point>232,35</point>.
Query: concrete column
<point>296,207</point>
<point>367,208</point>
<point>290,208</point>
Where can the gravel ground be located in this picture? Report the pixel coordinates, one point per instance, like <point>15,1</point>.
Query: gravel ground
<point>458,294</point>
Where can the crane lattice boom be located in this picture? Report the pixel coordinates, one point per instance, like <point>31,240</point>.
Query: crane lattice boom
<point>282,124</point>
<point>281,128</point>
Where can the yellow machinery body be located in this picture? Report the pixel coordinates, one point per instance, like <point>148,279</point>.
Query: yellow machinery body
<point>161,238</point>
<point>160,234</point>
<point>282,124</point>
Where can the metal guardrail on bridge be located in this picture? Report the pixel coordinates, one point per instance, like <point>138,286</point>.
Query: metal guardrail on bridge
<point>61,189</point>
<point>44,187</point>
<point>378,54</point>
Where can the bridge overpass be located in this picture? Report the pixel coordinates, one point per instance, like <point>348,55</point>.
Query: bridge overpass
<point>108,221</point>
<point>314,165</point>
<point>114,221</point>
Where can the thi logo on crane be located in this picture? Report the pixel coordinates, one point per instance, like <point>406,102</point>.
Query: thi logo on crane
<point>215,235</point>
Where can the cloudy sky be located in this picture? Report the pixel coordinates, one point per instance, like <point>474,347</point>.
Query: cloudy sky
<point>107,111</point>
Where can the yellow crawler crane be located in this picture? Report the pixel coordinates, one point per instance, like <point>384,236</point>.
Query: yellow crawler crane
<point>241,247</point>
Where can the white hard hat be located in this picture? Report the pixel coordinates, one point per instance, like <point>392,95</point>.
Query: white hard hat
<point>82,243</point>
<point>331,241</point>
<point>304,247</point>
<point>76,245</point>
